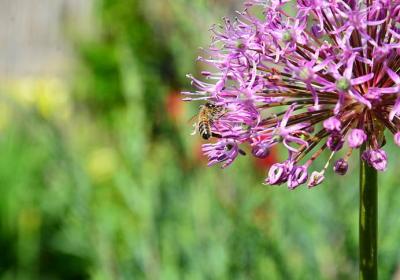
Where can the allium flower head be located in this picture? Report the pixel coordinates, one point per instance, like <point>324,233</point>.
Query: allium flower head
<point>316,76</point>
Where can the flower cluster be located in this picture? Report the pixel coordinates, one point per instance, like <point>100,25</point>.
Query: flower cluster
<point>313,75</point>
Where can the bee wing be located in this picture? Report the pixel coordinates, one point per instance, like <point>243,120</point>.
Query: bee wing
<point>193,118</point>
<point>193,121</point>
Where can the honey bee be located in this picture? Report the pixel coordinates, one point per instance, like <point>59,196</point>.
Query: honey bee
<point>208,113</point>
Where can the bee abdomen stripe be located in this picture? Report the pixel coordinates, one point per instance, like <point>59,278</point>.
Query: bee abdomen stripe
<point>204,126</point>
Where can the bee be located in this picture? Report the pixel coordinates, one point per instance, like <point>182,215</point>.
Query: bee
<point>208,113</point>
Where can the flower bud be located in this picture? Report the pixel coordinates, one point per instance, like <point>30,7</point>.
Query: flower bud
<point>332,124</point>
<point>341,167</point>
<point>356,138</point>
<point>335,142</point>
<point>276,174</point>
<point>316,178</point>
<point>297,177</point>
<point>376,158</point>
<point>260,151</point>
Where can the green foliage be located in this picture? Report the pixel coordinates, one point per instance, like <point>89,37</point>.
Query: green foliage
<point>117,189</point>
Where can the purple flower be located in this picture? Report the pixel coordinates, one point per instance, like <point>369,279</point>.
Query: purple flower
<point>335,142</point>
<point>307,81</point>
<point>332,124</point>
<point>376,158</point>
<point>297,176</point>
<point>341,166</point>
<point>356,138</point>
<point>278,173</point>
<point>316,178</point>
<point>397,138</point>
<point>224,151</point>
<point>260,151</point>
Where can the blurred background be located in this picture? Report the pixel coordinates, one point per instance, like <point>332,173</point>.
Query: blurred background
<point>101,179</point>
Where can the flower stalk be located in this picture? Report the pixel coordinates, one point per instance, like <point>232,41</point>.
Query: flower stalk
<point>368,221</point>
<point>325,79</point>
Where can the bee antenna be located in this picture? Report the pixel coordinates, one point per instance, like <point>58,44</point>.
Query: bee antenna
<point>216,135</point>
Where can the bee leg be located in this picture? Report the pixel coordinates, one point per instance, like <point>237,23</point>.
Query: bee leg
<point>216,135</point>
<point>194,129</point>
<point>243,153</point>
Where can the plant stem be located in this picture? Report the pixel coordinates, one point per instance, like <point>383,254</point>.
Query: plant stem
<point>368,221</point>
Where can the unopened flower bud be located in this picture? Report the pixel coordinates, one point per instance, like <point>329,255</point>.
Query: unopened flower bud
<point>260,151</point>
<point>376,158</point>
<point>356,138</point>
<point>341,166</point>
<point>332,124</point>
<point>335,142</point>
<point>316,178</point>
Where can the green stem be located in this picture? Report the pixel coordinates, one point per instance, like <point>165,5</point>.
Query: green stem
<point>368,232</point>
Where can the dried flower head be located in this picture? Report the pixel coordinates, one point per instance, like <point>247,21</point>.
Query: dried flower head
<point>313,75</point>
